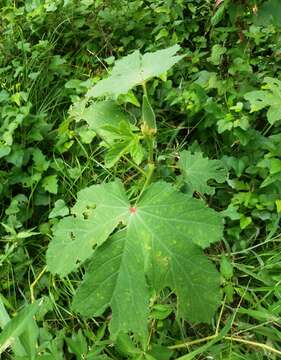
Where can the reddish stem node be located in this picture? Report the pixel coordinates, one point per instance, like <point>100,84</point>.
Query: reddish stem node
<point>133,210</point>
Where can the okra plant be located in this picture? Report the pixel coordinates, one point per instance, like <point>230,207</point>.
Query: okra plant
<point>134,244</point>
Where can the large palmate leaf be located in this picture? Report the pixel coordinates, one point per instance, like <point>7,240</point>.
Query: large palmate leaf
<point>158,247</point>
<point>197,171</point>
<point>269,98</point>
<point>135,69</point>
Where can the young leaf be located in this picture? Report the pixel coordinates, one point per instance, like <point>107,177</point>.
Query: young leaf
<point>269,97</point>
<point>113,126</point>
<point>103,115</point>
<point>197,170</point>
<point>135,69</point>
<point>159,242</point>
<point>126,142</point>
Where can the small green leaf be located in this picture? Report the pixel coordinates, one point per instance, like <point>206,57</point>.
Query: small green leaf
<point>50,184</point>
<point>77,344</point>
<point>60,209</point>
<point>219,14</point>
<point>40,162</point>
<point>4,150</point>
<point>160,352</point>
<point>226,268</point>
<point>161,311</point>
<point>269,98</point>
<point>197,170</point>
<point>136,151</point>
<point>217,51</point>
<point>245,221</point>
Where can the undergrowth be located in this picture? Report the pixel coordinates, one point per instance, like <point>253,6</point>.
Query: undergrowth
<point>186,145</point>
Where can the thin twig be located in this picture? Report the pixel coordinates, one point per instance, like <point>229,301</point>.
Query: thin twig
<point>253,343</point>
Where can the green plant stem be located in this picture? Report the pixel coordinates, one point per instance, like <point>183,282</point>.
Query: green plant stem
<point>150,143</point>
<point>149,173</point>
<point>32,286</point>
<point>230,338</point>
<point>207,338</point>
<point>253,343</point>
<point>144,88</point>
<point>148,177</point>
<point>150,146</point>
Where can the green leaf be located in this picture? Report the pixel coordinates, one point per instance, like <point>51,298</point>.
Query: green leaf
<point>216,54</point>
<point>126,346</point>
<point>115,152</point>
<point>197,171</point>
<point>127,142</point>
<point>219,14</point>
<point>161,311</point>
<point>17,325</point>
<point>77,344</point>
<point>50,184</point>
<point>4,150</point>
<point>40,162</point>
<point>269,98</point>
<point>160,352</point>
<point>60,209</point>
<point>74,237</point>
<point>103,115</point>
<point>17,347</point>
<point>226,268</point>
<point>135,69</point>
<point>136,151</point>
<point>269,13</point>
<point>245,221</point>
<point>29,338</point>
<point>158,248</point>
<point>113,125</point>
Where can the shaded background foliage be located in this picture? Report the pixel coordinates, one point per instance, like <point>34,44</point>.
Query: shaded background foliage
<point>51,53</point>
